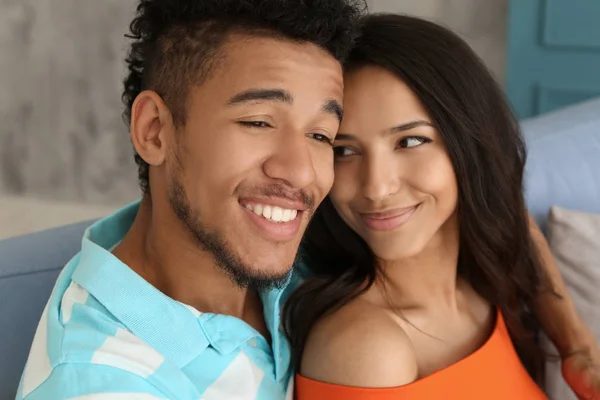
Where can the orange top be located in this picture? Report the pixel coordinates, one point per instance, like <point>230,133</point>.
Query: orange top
<point>493,372</point>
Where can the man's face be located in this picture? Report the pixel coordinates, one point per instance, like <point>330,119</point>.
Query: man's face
<point>254,158</point>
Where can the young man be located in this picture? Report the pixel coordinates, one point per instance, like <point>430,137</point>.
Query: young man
<point>233,106</point>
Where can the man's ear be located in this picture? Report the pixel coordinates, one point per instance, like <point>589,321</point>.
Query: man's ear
<point>151,127</point>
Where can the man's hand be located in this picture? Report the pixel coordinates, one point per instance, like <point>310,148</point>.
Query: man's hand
<point>581,370</point>
<point>564,327</point>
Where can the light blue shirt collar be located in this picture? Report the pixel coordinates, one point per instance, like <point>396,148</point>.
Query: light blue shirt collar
<point>170,327</point>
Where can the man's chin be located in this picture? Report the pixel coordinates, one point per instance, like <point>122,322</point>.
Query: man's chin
<point>266,272</point>
<point>260,280</point>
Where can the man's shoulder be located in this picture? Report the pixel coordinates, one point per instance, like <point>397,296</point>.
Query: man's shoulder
<point>77,338</point>
<point>81,325</point>
<point>79,381</point>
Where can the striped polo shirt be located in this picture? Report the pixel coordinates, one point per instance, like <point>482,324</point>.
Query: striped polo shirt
<point>107,334</point>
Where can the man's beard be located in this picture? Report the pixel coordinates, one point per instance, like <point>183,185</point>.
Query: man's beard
<point>242,274</point>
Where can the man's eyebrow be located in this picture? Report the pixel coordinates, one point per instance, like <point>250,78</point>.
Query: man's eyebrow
<point>260,95</point>
<point>278,95</point>
<point>335,108</point>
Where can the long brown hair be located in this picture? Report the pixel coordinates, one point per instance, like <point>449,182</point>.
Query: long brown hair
<point>497,255</point>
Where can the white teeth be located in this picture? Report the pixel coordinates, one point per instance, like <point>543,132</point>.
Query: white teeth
<point>273,213</point>
<point>277,214</point>
<point>267,212</point>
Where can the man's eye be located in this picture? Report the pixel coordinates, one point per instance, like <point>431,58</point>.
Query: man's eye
<point>341,151</point>
<point>320,138</point>
<point>255,124</point>
<point>412,141</point>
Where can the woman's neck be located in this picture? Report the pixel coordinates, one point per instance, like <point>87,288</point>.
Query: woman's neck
<point>427,280</point>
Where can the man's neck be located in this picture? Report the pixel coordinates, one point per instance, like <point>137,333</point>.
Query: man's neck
<point>161,251</point>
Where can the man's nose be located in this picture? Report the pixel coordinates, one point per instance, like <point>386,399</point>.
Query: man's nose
<point>292,162</point>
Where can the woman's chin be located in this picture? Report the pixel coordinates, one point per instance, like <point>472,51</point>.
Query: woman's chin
<point>396,251</point>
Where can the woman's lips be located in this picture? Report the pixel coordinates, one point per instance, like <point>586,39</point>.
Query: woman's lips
<point>388,220</point>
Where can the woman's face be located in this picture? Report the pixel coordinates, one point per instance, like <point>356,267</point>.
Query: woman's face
<point>394,181</point>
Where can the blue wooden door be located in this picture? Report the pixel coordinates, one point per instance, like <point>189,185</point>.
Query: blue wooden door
<point>553,54</point>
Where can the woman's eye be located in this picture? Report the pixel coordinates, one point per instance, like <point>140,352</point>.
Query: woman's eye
<point>412,141</point>
<point>320,138</point>
<point>255,124</point>
<point>341,151</point>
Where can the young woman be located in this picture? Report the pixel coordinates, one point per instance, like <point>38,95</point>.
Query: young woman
<point>423,258</point>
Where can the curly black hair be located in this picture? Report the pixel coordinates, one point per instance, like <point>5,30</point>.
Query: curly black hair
<point>175,42</point>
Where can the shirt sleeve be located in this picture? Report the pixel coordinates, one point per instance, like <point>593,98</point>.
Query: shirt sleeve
<point>92,382</point>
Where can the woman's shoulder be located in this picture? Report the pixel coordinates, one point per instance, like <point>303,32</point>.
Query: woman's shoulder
<point>359,345</point>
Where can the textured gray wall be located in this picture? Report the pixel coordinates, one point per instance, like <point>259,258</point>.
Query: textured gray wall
<point>482,23</point>
<point>61,66</point>
<point>61,132</point>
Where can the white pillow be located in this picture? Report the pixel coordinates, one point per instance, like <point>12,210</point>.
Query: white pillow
<point>574,238</point>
